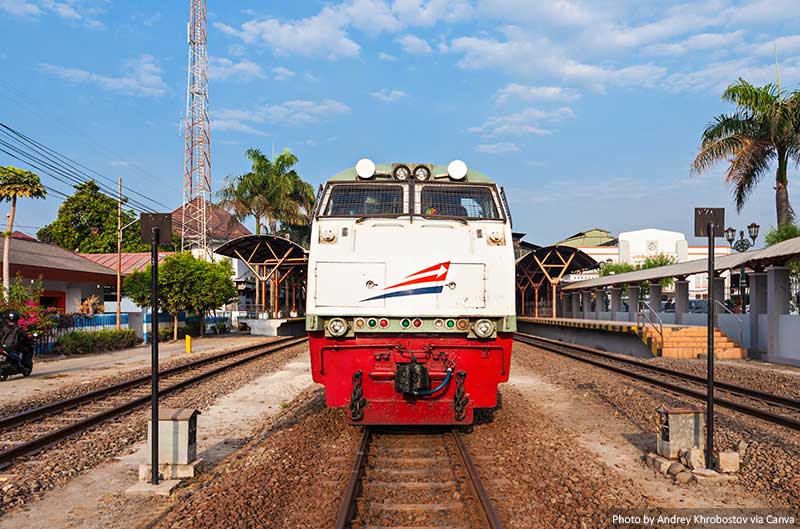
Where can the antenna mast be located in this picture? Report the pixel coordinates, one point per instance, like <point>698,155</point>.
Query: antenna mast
<point>197,152</point>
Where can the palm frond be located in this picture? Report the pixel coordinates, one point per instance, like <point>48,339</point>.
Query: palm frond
<point>714,151</point>
<point>748,166</point>
<point>728,125</point>
<point>757,99</point>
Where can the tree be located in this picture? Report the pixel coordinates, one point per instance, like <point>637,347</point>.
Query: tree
<point>184,284</point>
<point>764,129</point>
<point>781,233</point>
<point>272,192</point>
<point>87,223</point>
<point>16,183</point>
<point>214,288</point>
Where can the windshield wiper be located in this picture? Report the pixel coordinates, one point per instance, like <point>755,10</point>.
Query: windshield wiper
<point>359,220</point>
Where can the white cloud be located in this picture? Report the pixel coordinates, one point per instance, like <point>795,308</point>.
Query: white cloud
<point>221,69</point>
<point>559,12</point>
<point>785,45</point>
<point>152,19</point>
<point>370,16</point>
<point>702,41</point>
<point>20,8</point>
<point>526,54</point>
<point>143,78</point>
<point>516,91</point>
<point>717,76</point>
<point>390,96</point>
<point>497,148</point>
<point>386,57</point>
<point>414,45</point>
<point>62,9</point>
<point>282,73</point>
<point>522,123</point>
<point>427,13</point>
<point>295,112</point>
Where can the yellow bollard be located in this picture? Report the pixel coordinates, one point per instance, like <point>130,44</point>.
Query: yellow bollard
<point>188,344</point>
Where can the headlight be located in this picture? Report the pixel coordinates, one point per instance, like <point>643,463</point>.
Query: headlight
<point>337,327</point>
<point>422,173</point>
<point>457,170</point>
<point>401,172</point>
<point>483,328</point>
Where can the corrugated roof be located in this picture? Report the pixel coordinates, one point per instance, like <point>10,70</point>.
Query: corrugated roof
<point>592,237</point>
<point>131,262</point>
<point>776,254</point>
<point>256,248</point>
<point>25,252</point>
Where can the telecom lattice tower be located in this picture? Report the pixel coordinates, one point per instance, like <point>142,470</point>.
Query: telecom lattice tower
<point>197,153</point>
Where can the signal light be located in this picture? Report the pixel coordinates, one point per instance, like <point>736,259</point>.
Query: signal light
<point>405,323</point>
<point>451,324</point>
<point>360,323</point>
<point>384,323</point>
<point>372,323</point>
<point>438,323</point>
<point>417,323</point>
<point>462,324</point>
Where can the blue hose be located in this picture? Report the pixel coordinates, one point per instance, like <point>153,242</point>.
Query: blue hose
<point>437,388</point>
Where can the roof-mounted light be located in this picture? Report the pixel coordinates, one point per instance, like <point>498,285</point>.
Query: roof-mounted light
<point>401,172</point>
<point>365,168</point>
<point>422,173</point>
<point>457,170</point>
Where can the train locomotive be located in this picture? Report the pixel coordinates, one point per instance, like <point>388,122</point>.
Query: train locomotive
<point>410,303</point>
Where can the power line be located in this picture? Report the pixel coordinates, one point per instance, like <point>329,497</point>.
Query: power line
<point>72,129</point>
<point>71,166</point>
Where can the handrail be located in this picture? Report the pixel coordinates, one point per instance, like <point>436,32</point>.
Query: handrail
<point>643,319</point>
<point>738,317</point>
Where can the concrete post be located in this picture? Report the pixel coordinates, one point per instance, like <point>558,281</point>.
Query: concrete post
<point>719,294</point>
<point>599,302</point>
<point>758,305</point>
<point>778,292</point>
<point>587,304</point>
<point>681,300</point>
<point>633,302</point>
<point>654,298</point>
<point>576,304</point>
<point>616,302</point>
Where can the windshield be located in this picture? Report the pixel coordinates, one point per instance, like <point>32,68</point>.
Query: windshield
<point>365,200</point>
<point>471,202</point>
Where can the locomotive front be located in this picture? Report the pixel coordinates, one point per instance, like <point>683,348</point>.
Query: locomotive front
<point>410,302</point>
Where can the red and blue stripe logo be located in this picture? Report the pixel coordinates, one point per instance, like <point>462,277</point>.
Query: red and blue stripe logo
<point>429,277</point>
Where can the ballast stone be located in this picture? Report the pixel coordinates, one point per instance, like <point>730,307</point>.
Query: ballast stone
<point>728,462</point>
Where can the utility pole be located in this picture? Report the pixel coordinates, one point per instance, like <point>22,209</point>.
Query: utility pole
<point>119,254</point>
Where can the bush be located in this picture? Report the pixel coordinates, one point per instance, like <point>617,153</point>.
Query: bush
<point>89,342</point>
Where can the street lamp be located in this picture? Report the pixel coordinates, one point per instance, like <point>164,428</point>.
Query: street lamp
<point>742,245</point>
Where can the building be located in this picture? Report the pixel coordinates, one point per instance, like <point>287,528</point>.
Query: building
<point>634,247</point>
<point>67,278</point>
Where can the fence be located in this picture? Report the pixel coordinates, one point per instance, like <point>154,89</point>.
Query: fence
<point>67,323</point>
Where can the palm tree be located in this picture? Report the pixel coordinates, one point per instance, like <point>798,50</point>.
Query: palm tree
<point>765,128</point>
<point>271,192</point>
<point>16,183</point>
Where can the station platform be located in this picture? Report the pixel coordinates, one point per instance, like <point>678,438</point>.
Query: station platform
<point>669,340</point>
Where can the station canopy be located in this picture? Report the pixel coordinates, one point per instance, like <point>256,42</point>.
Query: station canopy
<point>268,251</point>
<point>778,254</point>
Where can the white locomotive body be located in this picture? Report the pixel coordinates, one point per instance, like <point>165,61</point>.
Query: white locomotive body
<point>416,258</point>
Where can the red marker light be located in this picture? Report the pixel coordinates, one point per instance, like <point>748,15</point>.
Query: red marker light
<point>384,323</point>
<point>417,323</point>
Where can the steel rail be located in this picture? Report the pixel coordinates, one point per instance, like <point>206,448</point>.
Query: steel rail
<point>44,440</point>
<point>347,508</point>
<point>72,402</point>
<point>564,349</point>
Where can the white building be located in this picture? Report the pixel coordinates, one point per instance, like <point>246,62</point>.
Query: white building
<point>634,247</point>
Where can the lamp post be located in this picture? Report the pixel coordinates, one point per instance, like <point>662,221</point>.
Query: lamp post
<point>742,245</point>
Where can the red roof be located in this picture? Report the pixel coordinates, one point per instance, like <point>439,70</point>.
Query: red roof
<point>130,261</point>
<point>221,224</point>
<point>23,236</point>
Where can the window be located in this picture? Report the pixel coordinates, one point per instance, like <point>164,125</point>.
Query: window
<point>471,202</point>
<point>365,200</point>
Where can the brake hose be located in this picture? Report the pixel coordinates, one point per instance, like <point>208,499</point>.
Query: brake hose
<point>437,388</point>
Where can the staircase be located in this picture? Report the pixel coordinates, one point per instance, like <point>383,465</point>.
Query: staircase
<point>689,342</point>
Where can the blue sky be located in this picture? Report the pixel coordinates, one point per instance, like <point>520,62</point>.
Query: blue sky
<point>589,113</point>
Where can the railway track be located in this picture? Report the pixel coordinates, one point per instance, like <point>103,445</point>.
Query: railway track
<point>776,409</point>
<point>421,479</point>
<point>30,431</point>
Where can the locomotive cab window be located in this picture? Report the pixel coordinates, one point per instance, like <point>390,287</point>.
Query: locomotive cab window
<point>365,200</point>
<point>470,202</point>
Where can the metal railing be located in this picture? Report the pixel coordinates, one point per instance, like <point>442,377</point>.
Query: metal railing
<point>650,317</point>
<point>738,317</point>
